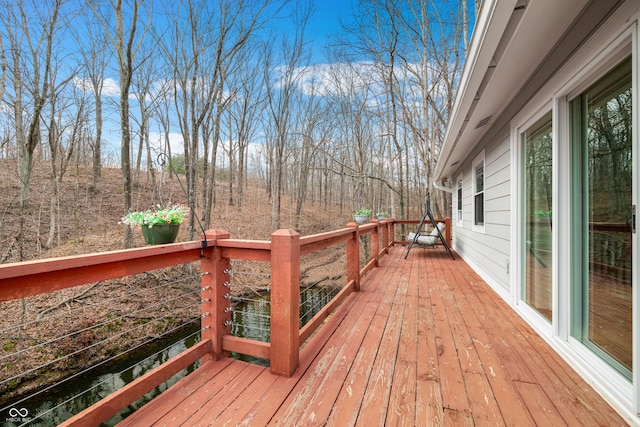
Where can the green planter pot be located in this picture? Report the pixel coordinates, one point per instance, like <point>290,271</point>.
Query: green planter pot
<point>160,234</point>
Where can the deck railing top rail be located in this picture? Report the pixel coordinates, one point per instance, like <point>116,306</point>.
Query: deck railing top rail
<point>28,278</point>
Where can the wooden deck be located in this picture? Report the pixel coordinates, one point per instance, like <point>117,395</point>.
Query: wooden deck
<point>425,342</point>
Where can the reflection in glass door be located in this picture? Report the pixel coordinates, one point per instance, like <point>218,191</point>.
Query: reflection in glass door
<point>602,126</point>
<point>537,248</point>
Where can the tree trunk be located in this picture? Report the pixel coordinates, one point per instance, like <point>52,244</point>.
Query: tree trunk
<point>97,146</point>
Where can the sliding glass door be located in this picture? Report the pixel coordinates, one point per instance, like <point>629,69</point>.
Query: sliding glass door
<point>537,249</point>
<point>601,217</point>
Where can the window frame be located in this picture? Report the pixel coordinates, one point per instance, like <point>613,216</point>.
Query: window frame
<point>578,214</point>
<point>459,199</point>
<point>547,116</point>
<point>476,225</point>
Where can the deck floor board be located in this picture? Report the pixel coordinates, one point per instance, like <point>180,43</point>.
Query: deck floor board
<point>425,342</point>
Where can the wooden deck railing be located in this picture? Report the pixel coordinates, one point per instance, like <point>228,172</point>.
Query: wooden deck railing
<point>215,253</point>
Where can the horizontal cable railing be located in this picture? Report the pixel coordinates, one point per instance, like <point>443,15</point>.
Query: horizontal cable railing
<point>313,299</point>
<point>99,330</point>
<point>225,282</point>
<point>248,294</point>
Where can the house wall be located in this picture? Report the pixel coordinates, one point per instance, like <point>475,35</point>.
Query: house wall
<point>596,42</point>
<point>488,252</point>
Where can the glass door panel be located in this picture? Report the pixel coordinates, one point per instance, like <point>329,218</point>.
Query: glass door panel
<point>538,197</point>
<point>606,218</point>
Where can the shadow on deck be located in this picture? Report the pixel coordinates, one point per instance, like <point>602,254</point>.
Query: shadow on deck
<point>425,342</point>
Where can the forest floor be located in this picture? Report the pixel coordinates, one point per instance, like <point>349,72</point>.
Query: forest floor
<point>89,220</point>
<point>89,223</point>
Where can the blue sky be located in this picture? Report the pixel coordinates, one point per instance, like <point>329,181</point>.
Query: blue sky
<point>324,22</point>
<point>326,19</point>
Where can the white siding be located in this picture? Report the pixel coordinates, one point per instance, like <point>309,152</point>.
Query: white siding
<point>489,251</point>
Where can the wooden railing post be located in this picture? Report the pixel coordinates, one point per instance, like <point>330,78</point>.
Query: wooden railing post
<point>375,243</point>
<point>215,273</point>
<point>392,232</point>
<point>385,236</point>
<point>285,302</point>
<point>447,230</point>
<point>353,256</point>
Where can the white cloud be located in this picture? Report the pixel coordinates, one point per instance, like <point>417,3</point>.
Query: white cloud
<point>319,79</point>
<point>335,78</point>
<point>356,78</point>
<point>109,87</point>
<point>158,143</point>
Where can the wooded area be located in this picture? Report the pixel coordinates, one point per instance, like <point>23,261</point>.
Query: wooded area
<point>231,89</point>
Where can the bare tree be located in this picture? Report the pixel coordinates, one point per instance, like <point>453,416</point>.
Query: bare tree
<point>352,146</point>
<point>281,87</point>
<point>187,48</point>
<point>31,30</point>
<point>242,119</point>
<point>162,115</point>
<point>93,47</point>
<point>439,37</point>
<point>236,28</point>
<point>3,67</point>
<point>63,137</point>
<point>145,78</point>
<point>416,49</point>
<point>126,39</point>
<point>377,33</point>
<point>312,115</point>
<point>202,56</point>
